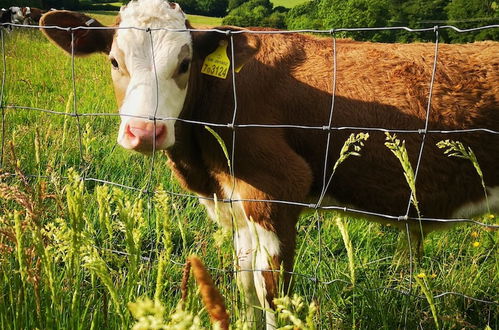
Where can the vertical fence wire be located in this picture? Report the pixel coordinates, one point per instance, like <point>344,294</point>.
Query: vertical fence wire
<point>234,117</point>
<point>325,185</point>
<point>2,91</point>
<point>82,164</point>
<point>416,171</point>
<point>149,186</point>
<point>232,172</point>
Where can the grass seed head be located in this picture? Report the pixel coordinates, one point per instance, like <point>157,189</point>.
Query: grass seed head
<point>212,299</point>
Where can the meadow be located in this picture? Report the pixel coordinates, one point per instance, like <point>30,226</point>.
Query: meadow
<point>83,254</point>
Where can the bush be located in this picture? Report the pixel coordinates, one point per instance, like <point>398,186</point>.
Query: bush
<point>20,3</point>
<point>328,14</point>
<point>257,13</point>
<point>214,8</point>
<point>304,16</point>
<point>94,5</point>
<point>61,4</point>
<point>461,14</point>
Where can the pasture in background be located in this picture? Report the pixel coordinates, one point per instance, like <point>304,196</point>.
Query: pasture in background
<point>74,254</point>
<point>108,17</point>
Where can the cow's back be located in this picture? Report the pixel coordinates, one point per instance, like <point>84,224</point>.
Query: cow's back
<point>379,86</point>
<point>385,86</point>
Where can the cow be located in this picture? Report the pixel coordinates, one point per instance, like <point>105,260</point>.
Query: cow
<point>286,83</point>
<point>11,15</point>
<point>17,15</point>
<point>32,15</point>
<point>6,17</point>
<point>21,15</point>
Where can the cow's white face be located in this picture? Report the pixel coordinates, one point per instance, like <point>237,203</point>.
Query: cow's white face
<point>150,72</point>
<point>17,15</point>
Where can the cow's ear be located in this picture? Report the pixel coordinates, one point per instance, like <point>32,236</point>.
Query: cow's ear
<point>245,45</point>
<point>85,42</point>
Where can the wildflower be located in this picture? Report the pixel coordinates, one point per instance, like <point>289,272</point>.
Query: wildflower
<point>421,275</point>
<point>148,313</point>
<point>475,234</point>
<point>476,244</point>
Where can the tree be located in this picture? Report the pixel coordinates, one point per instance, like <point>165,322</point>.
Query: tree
<point>256,13</point>
<point>233,4</point>
<point>61,4</point>
<point>358,13</point>
<point>472,13</point>
<point>418,14</point>
<point>215,8</point>
<point>188,6</point>
<point>304,16</point>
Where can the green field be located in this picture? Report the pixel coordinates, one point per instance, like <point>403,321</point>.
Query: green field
<point>74,255</point>
<point>284,3</point>
<point>108,17</point>
<point>288,3</point>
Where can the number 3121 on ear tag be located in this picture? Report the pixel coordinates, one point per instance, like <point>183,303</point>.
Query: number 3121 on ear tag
<point>217,64</point>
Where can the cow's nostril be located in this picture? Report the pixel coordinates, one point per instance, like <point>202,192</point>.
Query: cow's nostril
<point>143,135</point>
<point>159,130</point>
<point>128,131</point>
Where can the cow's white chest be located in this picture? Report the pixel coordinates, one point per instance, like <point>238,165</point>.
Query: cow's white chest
<point>470,210</point>
<point>227,215</point>
<point>254,247</point>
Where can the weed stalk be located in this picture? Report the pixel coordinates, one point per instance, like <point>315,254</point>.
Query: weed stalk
<point>458,150</point>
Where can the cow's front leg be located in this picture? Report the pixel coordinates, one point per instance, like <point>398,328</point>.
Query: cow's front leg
<point>244,249</point>
<point>232,217</point>
<point>273,250</point>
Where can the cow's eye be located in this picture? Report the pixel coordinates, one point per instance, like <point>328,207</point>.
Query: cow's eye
<point>114,63</point>
<point>184,66</point>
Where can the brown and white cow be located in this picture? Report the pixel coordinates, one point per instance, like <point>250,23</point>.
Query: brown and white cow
<point>16,15</point>
<point>32,15</point>
<point>287,80</point>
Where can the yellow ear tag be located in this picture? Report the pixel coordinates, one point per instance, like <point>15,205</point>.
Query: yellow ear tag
<point>217,64</point>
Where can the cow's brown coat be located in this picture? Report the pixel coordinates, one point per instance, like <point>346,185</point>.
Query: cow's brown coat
<point>378,85</point>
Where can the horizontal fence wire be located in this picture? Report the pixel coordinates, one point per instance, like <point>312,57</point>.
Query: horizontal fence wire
<point>238,126</point>
<point>149,191</point>
<point>241,31</point>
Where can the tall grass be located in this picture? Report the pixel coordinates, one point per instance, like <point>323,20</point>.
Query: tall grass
<point>79,254</point>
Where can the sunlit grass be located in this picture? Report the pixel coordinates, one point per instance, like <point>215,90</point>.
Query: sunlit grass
<point>108,18</point>
<point>288,3</point>
<point>204,21</point>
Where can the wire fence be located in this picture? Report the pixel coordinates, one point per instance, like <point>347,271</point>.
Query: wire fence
<point>423,132</point>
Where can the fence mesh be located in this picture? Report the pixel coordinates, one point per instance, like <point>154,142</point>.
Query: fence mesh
<point>147,187</point>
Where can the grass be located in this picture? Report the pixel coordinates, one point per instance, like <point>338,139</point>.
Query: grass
<point>76,255</point>
<point>288,3</point>
<point>201,21</point>
<point>108,18</point>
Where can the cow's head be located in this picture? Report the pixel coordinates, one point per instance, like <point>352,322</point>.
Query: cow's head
<point>17,15</point>
<point>150,68</point>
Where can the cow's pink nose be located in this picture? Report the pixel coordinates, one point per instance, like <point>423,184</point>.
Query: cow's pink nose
<point>142,135</point>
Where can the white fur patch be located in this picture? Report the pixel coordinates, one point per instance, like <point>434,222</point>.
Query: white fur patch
<point>151,91</point>
<point>225,214</point>
<point>254,246</point>
<point>473,209</point>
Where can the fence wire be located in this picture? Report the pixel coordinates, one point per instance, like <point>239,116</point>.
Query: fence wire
<point>329,128</point>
